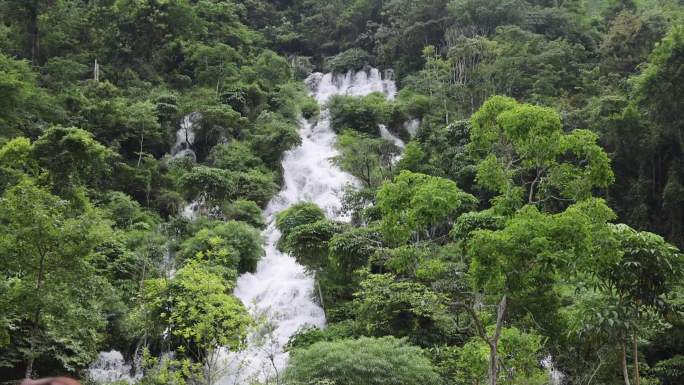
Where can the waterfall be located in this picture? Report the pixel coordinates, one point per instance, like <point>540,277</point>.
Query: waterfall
<point>387,135</point>
<point>412,126</point>
<point>556,377</point>
<point>185,136</point>
<point>111,367</point>
<point>280,294</point>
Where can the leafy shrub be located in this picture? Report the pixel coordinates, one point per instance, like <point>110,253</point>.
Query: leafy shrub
<point>365,361</point>
<point>352,249</point>
<point>310,108</point>
<point>245,211</point>
<point>308,243</point>
<point>352,59</point>
<point>386,306</point>
<point>271,137</point>
<point>670,371</point>
<point>235,245</point>
<point>297,215</point>
<point>308,336</point>
<point>255,186</point>
<point>361,114</point>
<point>218,186</point>
<point>234,156</point>
<point>420,206</point>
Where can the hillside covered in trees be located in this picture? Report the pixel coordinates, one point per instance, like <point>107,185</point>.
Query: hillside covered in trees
<point>342,192</point>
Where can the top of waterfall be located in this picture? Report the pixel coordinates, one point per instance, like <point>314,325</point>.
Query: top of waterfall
<point>359,83</point>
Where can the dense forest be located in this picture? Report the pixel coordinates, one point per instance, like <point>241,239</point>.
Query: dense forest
<point>527,233</point>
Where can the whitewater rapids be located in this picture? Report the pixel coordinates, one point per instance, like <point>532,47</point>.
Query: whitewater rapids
<point>280,294</point>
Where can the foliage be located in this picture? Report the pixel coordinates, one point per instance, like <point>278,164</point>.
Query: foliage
<point>420,206</point>
<point>232,244</point>
<point>235,156</point>
<point>404,309</point>
<point>50,286</point>
<point>522,356</point>
<point>352,59</point>
<point>523,150</point>
<point>367,158</point>
<point>352,249</point>
<point>308,243</point>
<point>543,243</point>
<point>71,156</point>
<point>485,240</point>
<point>299,214</point>
<point>669,371</point>
<point>244,211</point>
<point>218,186</point>
<point>362,114</point>
<point>203,315</point>
<point>365,361</point>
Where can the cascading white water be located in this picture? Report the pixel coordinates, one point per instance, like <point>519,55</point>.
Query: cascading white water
<point>556,377</point>
<point>182,148</point>
<point>111,367</point>
<point>412,126</point>
<point>387,135</point>
<point>280,292</point>
<point>185,136</point>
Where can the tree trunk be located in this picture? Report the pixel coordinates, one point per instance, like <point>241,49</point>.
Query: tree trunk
<point>142,138</point>
<point>36,317</point>
<point>494,342</point>
<point>625,372</point>
<point>320,292</point>
<point>493,368</point>
<point>635,353</point>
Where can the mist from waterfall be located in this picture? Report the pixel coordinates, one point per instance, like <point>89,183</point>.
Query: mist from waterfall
<point>280,294</point>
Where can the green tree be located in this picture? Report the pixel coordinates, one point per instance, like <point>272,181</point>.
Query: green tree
<point>352,249</point>
<point>365,361</point>
<point>485,16</point>
<point>299,214</point>
<point>235,156</point>
<point>420,207</point>
<point>72,157</point>
<point>385,306</point>
<point>629,41</point>
<point>367,158</point>
<point>525,259</point>
<point>47,251</point>
<point>17,162</point>
<point>271,137</point>
<point>245,211</point>
<point>520,352</point>
<point>649,268</point>
<point>232,244</point>
<point>523,152</point>
<point>142,117</point>
<point>22,102</point>
<point>215,187</point>
<point>197,309</point>
<point>308,243</point>
<point>362,114</point>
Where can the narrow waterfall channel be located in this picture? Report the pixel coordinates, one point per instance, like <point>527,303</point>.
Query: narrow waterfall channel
<point>280,293</point>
